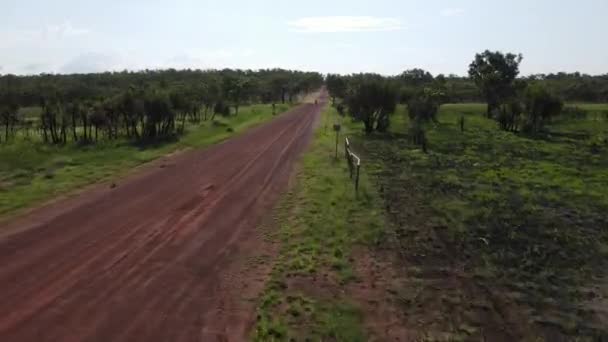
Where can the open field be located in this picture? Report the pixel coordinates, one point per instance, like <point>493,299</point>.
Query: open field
<point>32,171</point>
<point>490,235</point>
<point>501,235</point>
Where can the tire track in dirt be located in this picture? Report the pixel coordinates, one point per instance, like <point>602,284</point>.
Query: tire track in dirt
<point>156,258</point>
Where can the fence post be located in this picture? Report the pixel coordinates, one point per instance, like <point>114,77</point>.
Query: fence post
<point>357,179</point>
<point>346,148</point>
<point>337,128</point>
<point>337,139</point>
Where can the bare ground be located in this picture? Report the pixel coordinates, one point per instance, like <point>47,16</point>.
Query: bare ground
<point>165,255</point>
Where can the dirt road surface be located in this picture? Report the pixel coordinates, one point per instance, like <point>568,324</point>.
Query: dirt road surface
<point>160,257</point>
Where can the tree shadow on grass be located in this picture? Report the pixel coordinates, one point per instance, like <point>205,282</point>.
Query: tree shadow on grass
<point>147,144</point>
<point>557,137</point>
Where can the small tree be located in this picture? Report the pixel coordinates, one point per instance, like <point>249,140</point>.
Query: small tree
<point>541,106</point>
<point>372,101</point>
<point>9,112</point>
<point>221,108</point>
<point>509,115</point>
<point>99,119</point>
<point>336,85</point>
<point>9,117</point>
<point>160,117</point>
<point>424,105</point>
<point>494,74</point>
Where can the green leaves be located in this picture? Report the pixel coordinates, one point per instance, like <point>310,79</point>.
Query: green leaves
<point>371,100</point>
<point>494,74</point>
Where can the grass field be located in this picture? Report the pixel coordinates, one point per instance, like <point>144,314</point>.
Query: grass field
<point>490,229</point>
<point>517,224</point>
<point>589,106</point>
<point>30,113</point>
<point>320,222</point>
<point>32,172</point>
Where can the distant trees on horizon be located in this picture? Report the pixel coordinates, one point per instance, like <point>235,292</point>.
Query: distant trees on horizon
<point>142,106</point>
<point>516,103</point>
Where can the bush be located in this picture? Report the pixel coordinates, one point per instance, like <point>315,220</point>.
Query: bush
<point>509,116</point>
<point>221,108</point>
<point>372,101</point>
<point>541,107</point>
<point>424,105</point>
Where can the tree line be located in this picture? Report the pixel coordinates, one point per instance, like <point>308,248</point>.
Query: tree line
<point>517,103</point>
<point>142,106</point>
<point>571,87</point>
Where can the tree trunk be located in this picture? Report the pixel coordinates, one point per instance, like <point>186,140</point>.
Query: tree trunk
<point>64,135</point>
<point>183,123</point>
<point>84,128</point>
<point>127,126</point>
<point>491,107</point>
<point>134,129</point>
<point>45,134</point>
<point>74,127</point>
<point>53,129</point>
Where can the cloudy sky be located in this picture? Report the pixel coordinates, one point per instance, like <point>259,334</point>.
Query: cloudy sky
<point>442,36</point>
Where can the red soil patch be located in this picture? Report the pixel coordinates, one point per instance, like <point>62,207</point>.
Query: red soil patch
<point>163,256</point>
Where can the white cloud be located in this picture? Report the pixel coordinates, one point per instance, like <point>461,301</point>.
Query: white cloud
<point>94,62</point>
<point>345,24</point>
<point>452,12</point>
<point>345,45</point>
<point>35,37</point>
<point>64,29</point>
<point>208,58</point>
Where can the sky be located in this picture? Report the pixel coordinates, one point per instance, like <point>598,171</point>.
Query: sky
<point>386,37</point>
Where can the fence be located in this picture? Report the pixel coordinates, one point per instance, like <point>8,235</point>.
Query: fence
<point>354,163</point>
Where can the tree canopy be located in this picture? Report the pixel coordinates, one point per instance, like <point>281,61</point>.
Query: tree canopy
<point>495,73</point>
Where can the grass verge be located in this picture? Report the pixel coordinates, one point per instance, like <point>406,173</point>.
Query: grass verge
<point>321,220</point>
<point>31,172</point>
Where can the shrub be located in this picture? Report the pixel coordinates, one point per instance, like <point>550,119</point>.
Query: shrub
<point>372,101</point>
<point>221,108</point>
<point>541,106</point>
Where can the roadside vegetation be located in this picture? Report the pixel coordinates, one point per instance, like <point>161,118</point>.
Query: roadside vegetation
<point>497,211</point>
<point>60,132</point>
<point>34,171</point>
<point>143,107</point>
<point>320,223</point>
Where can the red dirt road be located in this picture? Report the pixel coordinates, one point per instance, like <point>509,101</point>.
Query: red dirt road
<point>158,258</point>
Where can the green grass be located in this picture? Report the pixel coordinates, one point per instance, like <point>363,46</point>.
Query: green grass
<point>589,106</point>
<point>320,221</point>
<point>31,172</point>
<point>30,113</point>
<point>526,216</point>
